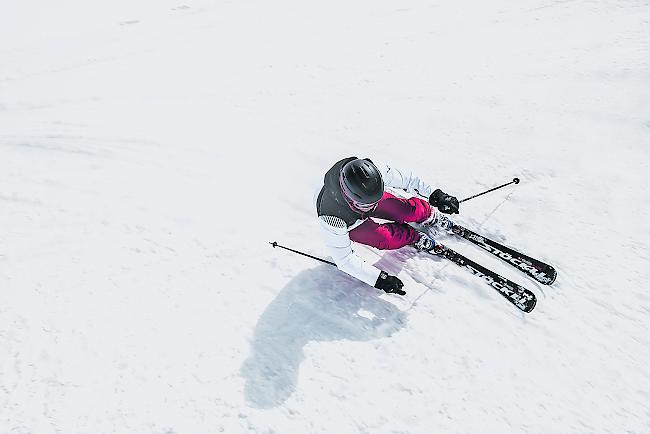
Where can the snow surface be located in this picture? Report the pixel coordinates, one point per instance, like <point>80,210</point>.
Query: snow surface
<point>150,150</point>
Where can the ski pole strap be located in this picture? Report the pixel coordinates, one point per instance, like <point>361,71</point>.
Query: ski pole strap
<point>514,181</point>
<point>275,244</point>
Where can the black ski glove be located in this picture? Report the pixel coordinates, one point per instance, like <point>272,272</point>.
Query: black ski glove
<point>445,203</point>
<point>389,284</point>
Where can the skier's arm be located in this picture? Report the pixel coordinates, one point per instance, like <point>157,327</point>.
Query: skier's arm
<point>405,180</point>
<point>413,184</point>
<point>338,242</point>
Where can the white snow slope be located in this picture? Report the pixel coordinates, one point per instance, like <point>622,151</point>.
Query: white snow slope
<point>150,150</point>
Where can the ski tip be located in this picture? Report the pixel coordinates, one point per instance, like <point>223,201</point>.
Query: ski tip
<point>531,305</point>
<point>552,274</point>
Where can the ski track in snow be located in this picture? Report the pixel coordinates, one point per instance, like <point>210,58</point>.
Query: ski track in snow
<point>149,152</point>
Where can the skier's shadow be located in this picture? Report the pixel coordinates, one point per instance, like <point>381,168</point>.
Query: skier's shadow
<point>318,305</point>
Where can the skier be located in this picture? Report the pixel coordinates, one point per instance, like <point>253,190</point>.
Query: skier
<point>353,193</point>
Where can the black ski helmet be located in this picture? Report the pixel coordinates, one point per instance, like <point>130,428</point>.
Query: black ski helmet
<point>361,184</point>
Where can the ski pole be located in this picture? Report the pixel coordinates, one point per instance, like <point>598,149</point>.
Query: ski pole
<point>514,181</point>
<point>275,244</point>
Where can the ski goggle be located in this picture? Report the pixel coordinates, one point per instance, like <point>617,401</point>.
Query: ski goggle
<point>364,207</point>
<point>355,204</point>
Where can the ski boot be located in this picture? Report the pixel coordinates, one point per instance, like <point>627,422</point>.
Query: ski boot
<point>427,244</point>
<point>424,243</point>
<point>438,221</point>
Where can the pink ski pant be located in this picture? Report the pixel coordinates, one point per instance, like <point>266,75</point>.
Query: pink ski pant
<point>389,236</point>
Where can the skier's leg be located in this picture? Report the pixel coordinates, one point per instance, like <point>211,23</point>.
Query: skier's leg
<point>387,236</point>
<point>401,210</point>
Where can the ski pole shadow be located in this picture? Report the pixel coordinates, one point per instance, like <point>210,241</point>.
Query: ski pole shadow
<point>392,261</point>
<point>318,305</point>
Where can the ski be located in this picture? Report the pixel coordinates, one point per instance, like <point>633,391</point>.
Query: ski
<point>538,270</point>
<point>519,296</point>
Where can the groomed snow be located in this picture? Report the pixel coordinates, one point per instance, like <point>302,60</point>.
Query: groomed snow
<point>150,150</point>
